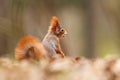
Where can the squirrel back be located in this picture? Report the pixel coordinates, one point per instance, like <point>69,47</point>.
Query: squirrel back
<point>29,47</point>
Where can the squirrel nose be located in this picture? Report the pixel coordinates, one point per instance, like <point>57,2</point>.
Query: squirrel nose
<point>66,32</point>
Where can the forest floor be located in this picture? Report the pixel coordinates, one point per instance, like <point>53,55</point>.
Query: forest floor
<point>60,69</point>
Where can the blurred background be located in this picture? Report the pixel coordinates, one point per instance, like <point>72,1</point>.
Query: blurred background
<point>93,25</point>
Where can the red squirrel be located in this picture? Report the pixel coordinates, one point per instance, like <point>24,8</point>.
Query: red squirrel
<point>30,47</point>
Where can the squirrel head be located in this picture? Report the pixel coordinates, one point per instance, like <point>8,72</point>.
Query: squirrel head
<point>56,28</point>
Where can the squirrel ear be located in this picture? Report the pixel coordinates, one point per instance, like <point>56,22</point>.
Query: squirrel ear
<point>54,23</point>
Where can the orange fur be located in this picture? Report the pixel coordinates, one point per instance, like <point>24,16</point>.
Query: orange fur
<point>53,23</point>
<point>29,47</point>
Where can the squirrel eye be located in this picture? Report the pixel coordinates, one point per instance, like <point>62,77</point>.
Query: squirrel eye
<point>62,30</point>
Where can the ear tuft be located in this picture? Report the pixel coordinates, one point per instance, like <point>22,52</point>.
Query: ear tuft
<point>54,23</point>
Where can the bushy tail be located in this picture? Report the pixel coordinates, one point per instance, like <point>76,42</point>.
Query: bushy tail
<point>29,47</point>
